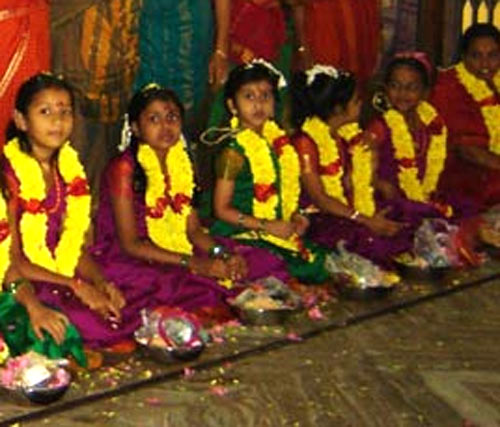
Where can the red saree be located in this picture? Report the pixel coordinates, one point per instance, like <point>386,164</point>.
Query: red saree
<point>345,34</point>
<point>25,49</point>
<point>466,127</point>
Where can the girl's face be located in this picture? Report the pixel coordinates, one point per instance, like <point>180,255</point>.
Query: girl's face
<point>483,58</point>
<point>253,104</point>
<point>159,125</point>
<point>48,121</point>
<point>405,89</point>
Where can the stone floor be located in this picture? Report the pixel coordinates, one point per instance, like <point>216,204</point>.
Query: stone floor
<point>427,355</point>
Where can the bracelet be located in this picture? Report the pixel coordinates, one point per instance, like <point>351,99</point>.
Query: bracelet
<point>354,215</point>
<point>262,224</point>
<point>184,260</point>
<point>241,220</point>
<point>12,287</point>
<point>221,53</point>
<point>219,251</point>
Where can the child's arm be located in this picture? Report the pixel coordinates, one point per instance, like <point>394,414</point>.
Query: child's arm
<point>136,247</point>
<point>218,66</point>
<point>223,201</point>
<point>41,317</point>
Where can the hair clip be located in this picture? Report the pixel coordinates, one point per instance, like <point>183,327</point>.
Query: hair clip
<point>151,86</point>
<point>327,70</point>
<point>270,67</point>
<point>126,135</point>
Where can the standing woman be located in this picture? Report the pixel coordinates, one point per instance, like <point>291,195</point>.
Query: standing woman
<point>342,33</point>
<point>176,46</point>
<point>468,97</point>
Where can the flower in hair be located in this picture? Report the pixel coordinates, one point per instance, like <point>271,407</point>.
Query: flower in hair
<point>270,67</point>
<point>126,135</point>
<point>151,86</point>
<point>322,69</point>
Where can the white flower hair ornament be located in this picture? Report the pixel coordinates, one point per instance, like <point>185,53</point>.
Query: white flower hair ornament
<point>126,135</point>
<point>281,78</point>
<point>319,69</point>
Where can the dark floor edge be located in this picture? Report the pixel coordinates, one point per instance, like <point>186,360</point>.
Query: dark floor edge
<point>279,343</point>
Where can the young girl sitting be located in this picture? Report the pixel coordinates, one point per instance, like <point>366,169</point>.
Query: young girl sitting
<point>26,323</point>
<point>338,167</point>
<point>49,203</point>
<point>257,188</point>
<point>410,137</point>
<point>148,235</point>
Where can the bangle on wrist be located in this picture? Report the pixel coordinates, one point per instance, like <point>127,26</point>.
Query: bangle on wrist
<point>184,262</point>
<point>241,220</point>
<point>219,252</point>
<point>221,53</point>
<point>262,224</point>
<point>354,215</point>
<point>13,287</point>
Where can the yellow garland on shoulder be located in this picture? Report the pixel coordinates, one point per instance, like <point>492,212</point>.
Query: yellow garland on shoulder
<point>481,92</point>
<point>404,149</point>
<point>33,224</point>
<point>257,149</point>
<point>328,155</point>
<point>168,229</point>
<point>5,240</point>
<point>362,173</point>
<point>362,169</point>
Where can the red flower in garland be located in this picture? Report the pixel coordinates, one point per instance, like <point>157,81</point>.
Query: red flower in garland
<point>32,206</point>
<point>78,187</point>
<point>263,191</point>
<point>331,169</point>
<point>4,230</point>
<point>279,143</point>
<point>408,162</point>
<point>179,201</point>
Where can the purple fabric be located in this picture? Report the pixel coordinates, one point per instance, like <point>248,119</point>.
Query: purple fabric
<point>95,331</point>
<point>150,284</point>
<point>388,170</point>
<point>327,230</point>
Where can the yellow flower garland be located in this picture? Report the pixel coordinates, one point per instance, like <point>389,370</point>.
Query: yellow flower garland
<point>480,92</point>
<point>257,150</point>
<point>170,208</point>
<point>362,173</point>
<point>404,150</point>
<point>5,240</point>
<point>34,222</point>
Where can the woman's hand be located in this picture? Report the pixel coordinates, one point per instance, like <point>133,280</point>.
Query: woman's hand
<point>300,222</point>
<point>43,318</point>
<point>383,226</point>
<point>281,229</point>
<point>218,68</point>
<point>95,299</point>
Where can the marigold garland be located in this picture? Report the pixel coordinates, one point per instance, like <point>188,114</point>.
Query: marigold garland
<point>168,206</point>
<point>331,164</point>
<point>34,220</point>
<point>5,240</point>
<point>270,189</point>
<point>483,95</point>
<point>404,149</point>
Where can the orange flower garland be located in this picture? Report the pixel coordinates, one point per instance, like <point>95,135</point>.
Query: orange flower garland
<point>168,206</point>
<point>404,149</point>
<point>484,96</point>
<point>331,164</point>
<point>34,220</point>
<point>267,193</point>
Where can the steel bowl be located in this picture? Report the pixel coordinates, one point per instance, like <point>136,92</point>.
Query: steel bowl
<point>43,395</point>
<point>171,355</point>
<point>418,273</point>
<point>262,317</point>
